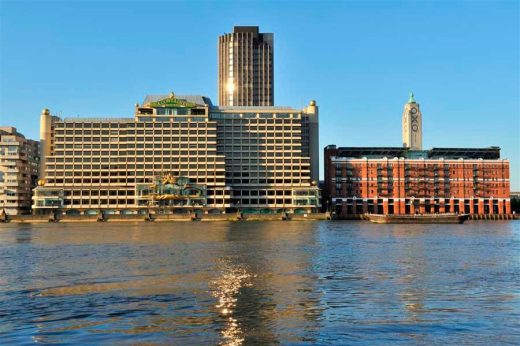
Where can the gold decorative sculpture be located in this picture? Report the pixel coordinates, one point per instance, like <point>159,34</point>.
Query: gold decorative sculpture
<point>169,179</point>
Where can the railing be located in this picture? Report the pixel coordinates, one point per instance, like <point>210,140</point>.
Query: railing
<point>263,108</point>
<point>101,119</point>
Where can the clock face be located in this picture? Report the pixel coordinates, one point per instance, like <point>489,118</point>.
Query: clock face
<point>414,110</point>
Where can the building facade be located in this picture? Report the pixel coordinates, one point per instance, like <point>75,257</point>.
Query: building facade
<point>403,181</point>
<point>246,67</point>
<point>19,165</point>
<point>256,159</point>
<point>272,155</point>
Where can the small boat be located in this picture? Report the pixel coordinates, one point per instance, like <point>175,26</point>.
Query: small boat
<point>418,218</point>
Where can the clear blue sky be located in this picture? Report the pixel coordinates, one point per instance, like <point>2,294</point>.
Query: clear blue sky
<point>359,60</point>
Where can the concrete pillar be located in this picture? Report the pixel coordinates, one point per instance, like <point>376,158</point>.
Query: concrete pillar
<point>45,139</point>
<point>314,139</point>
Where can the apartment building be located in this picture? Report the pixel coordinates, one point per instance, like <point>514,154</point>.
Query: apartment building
<point>19,164</point>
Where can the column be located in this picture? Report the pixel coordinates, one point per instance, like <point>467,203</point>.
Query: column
<point>422,209</point>
<point>481,206</point>
<point>401,206</point>
<point>461,206</point>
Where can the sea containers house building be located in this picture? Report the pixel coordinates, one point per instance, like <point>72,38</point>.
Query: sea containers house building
<point>181,153</point>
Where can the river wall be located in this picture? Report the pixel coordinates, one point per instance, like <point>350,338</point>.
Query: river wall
<point>471,217</point>
<point>204,217</point>
<point>163,217</point>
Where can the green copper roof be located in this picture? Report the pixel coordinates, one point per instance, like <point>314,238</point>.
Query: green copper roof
<point>411,99</point>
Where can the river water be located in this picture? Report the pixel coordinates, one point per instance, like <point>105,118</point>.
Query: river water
<point>312,283</point>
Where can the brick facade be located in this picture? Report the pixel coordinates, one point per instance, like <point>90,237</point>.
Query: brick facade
<point>415,182</point>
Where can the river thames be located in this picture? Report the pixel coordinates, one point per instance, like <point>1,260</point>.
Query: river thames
<point>236,283</point>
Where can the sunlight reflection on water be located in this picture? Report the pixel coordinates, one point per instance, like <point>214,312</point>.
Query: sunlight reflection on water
<point>226,288</point>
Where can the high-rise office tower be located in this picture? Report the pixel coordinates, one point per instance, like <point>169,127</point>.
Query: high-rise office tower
<point>245,68</point>
<point>412,125</point>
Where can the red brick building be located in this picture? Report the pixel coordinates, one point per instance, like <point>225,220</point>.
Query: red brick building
<point>402,181</point>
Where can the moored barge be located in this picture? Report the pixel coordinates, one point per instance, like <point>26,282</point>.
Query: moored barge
<point>418,218</point>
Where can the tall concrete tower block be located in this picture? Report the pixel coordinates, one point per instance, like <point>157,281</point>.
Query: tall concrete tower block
<point>312,112</point>
<point>412,125</point>
<point>246,67</point>
<point>45,139</point>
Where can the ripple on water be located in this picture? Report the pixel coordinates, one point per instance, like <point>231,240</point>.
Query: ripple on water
<point>260,283</point>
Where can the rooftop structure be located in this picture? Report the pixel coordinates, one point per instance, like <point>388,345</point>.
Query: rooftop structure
<point>488,153</point>
<point>412,124</point>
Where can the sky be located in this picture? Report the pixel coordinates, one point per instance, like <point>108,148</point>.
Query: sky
<point>358,60</point>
